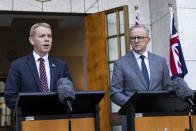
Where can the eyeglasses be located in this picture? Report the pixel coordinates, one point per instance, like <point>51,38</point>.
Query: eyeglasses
<point>139,38</point>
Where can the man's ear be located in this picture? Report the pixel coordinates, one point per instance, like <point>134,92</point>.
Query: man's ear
<point>31,40</point>
<point>148,39</point>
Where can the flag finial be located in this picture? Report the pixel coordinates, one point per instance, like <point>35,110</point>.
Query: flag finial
<point>136,7</point>
<point>170,4</point>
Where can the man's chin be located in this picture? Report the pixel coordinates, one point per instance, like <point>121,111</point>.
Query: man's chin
<point>139,51</point>
<point>46,50</point>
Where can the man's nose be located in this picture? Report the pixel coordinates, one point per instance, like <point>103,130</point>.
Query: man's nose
<point>136,40</point>
<point>46,38</point>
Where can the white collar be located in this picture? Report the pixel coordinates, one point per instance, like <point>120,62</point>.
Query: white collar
<point>36,56</point>
<point>138,55</point>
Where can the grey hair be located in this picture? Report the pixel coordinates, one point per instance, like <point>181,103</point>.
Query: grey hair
<point>139,26</point>
<point>33,27</point>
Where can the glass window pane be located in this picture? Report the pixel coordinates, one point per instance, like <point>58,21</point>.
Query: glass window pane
<point>114,107</point>
<point>121,17</point>
<point>111,65</point>
<point>113,49</point>
<point>123,49</point>
<point>112,24</point>
<point>116,128</point>
<point>111,73</point>
<point>111,70</point>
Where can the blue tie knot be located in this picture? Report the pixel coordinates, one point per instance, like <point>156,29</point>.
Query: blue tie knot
<point>142,57</point>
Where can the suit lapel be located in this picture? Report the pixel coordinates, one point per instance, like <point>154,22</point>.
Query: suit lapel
<point>52,72</point>
<point>31,64</point>
<point>134,65</point>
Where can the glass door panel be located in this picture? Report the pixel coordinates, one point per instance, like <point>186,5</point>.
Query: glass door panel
<point>113,49</point>
<point>112,24</point>
<point>121,19</point>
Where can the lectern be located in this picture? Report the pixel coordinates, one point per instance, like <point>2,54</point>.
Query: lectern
<point>43,111</point>
<point>156,104</point>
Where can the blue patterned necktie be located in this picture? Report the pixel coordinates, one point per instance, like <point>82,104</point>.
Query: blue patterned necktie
<point>145,71</point>
<point>43,78</point>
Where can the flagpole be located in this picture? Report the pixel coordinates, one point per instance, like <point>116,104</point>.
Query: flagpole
<point>171,16</point>
<point>136,15</point>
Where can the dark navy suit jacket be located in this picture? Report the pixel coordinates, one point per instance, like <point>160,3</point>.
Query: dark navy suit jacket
<point>23,77</point>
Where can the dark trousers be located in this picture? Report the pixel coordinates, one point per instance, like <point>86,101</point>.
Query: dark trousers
<point>124,123</point>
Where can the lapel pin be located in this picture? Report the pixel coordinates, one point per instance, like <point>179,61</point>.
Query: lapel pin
<point>53,65</point>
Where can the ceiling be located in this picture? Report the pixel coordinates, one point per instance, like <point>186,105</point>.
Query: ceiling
<point>58,20</point>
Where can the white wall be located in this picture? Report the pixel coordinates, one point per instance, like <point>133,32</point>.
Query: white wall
<point>159,14</point>
<point>186,14</point>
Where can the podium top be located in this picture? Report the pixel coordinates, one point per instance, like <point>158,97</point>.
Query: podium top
<point>40,103</point>
<point>153,102</point>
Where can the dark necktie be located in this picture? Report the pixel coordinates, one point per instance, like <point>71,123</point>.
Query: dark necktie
<point>43,78</point>
<point>145,71</point>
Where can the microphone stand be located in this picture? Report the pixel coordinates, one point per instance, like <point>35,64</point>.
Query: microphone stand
<point>69,120</point>
<point>190,110</point>
<point>69,113</point>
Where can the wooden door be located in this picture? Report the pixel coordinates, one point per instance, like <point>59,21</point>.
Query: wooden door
<point>97,62</point>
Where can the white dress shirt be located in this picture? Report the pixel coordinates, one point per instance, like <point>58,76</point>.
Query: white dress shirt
<point>139,60</point>
<point>46,63</point>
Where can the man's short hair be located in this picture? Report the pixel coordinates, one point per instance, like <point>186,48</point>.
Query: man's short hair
<point>139,26</point>
<point>33,27</point>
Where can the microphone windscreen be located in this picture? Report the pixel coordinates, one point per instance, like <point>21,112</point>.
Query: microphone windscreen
<point>183,91</point>
<point>65,90</point>
<point>170,86</point>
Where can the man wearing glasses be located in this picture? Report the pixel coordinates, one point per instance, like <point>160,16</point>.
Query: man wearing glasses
<point>138,70</point>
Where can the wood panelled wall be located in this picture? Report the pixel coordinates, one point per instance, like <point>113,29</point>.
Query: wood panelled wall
<point>96,61</point>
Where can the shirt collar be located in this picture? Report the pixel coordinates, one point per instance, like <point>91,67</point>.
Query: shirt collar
<point>36,56</point>
<point>138,55</point>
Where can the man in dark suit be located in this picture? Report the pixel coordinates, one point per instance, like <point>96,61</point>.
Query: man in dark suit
<point>37,72</point>
<point>138,70</point>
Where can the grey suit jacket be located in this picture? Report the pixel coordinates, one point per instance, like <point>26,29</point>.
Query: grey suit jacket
<point>127,77</point>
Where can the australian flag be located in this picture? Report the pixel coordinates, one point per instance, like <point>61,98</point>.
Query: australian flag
<point>177,63</point>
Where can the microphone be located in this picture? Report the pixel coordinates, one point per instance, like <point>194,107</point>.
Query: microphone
<point>66,92</point>
<point>182,90</point>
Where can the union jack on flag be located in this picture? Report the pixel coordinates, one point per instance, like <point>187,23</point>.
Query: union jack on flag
<point>177,63</point>
<point>137,18</point>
